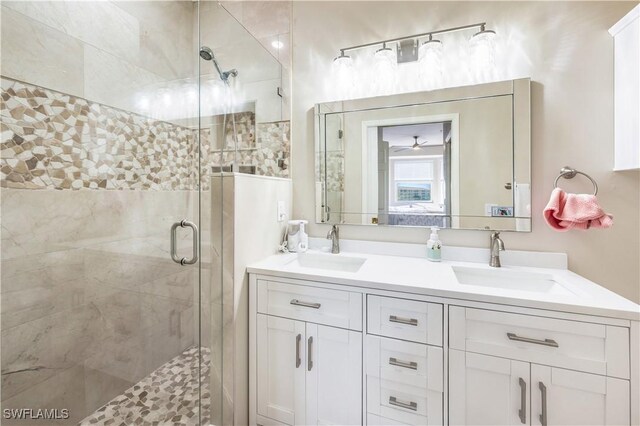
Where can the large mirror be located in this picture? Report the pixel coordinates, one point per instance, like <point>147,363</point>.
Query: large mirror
<point>452,158</point>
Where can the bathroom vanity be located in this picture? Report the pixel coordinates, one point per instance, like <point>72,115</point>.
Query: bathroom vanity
<point>379,340</point>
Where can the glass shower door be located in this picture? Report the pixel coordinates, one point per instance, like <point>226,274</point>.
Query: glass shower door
<point>104,224</point>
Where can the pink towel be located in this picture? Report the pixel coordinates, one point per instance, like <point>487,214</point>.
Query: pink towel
<point>575,211</point>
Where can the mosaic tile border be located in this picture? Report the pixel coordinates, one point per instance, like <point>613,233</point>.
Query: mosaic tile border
<point>52,140</point>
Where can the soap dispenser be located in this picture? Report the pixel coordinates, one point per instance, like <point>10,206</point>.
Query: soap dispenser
<point>434,246</point>
<point>303,241</point>
<point>297,238</point>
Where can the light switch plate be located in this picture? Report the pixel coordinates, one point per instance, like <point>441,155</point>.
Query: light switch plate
<point>282,211</point>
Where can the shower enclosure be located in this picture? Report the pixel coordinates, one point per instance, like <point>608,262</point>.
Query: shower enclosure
<point>112,127</point>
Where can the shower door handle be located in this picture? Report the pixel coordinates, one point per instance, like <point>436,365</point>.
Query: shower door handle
<point>174,243</point>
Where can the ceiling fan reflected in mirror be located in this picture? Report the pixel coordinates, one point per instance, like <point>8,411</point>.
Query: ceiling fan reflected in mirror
<point>415,147</point>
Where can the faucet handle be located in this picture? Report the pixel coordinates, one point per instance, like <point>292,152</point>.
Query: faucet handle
<point>331,232</point>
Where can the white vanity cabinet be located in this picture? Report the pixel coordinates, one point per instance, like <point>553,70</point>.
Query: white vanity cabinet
<point>507,368</point>
<point>307,373</point>
<point>329,353</point>
<point>404,362</point>
<point>488,390</point>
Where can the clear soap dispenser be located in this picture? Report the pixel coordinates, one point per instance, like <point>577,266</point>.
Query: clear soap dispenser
<point>434,246</point>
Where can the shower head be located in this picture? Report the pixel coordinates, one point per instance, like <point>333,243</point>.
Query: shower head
<point>207,54</point>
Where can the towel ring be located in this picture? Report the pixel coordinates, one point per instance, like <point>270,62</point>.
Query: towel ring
<point>569,173</point>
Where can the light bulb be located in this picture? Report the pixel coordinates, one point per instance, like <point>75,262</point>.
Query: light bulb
<point>430,63</point>
<point>385,69</point>
<point>344,74</point>
<point>482,46</point>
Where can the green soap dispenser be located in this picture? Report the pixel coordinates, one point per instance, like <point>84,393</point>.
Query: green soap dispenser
<point>434,246</point>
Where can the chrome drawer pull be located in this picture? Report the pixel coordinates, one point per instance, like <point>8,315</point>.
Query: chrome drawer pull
<point>411,365</point>
<point>522,412</point>
<point>309,351</point>
<point>305,304</point>
<point>407,321</point>
<point>408,405</point>
<point>545,342</point>
<point>543,394</point>
<point>298,360</point>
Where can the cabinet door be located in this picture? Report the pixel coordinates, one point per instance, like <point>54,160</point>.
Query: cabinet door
<point>487,390</point>
<point>280,355</point>
<point>566,397</point>
<point>334,376</point>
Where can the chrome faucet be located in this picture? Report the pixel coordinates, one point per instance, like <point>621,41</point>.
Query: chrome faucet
<point>497,245</point>
<point>334,236</point>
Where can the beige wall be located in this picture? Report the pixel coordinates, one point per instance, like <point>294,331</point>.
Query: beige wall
<point>564,47</point>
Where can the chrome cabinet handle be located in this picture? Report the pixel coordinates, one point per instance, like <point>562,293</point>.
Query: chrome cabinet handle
<point>305,304</point>
<point>522,412</point>
<point>407,321</point>
<point>298,360</point>
<point>309,347</point>
<point>543,392</point>
<point>408,405</point>
<point>174,243</point>
<point>545,342</point>
<point>410,365</point>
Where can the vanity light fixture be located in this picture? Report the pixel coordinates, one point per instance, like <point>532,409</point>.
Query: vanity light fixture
<point>429,54</point>
<point>430,62</point>
<point>344,72</point>
<point>482,46</point>
<point>385,68</point>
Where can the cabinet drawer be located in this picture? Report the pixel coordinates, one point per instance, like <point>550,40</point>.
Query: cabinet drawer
<point>594,348</point>
<point>312,304</point>
<point>404,403</point>
<point>405,319</point>
<point>374,420</point>
<point>410,363</point>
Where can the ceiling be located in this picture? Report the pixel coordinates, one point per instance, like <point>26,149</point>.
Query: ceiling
<point>403,135</point>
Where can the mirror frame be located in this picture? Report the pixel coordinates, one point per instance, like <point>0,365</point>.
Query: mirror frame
<point>519,89</point>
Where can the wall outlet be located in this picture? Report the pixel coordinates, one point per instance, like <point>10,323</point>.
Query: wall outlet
<point>282,211</point>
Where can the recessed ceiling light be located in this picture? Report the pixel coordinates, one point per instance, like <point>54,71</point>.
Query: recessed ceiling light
<point>277,44</point>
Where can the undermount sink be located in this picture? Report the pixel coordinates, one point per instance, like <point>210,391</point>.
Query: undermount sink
<point>509,279</point>
<point>332,262</point>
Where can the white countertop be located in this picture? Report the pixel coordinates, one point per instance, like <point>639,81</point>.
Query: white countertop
<point>420,276</point>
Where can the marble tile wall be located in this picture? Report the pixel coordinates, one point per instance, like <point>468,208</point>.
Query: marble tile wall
<point>104,51</point>
<point>90,301</point>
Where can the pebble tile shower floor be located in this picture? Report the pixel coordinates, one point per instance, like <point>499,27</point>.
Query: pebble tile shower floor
<point>167,396</point>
